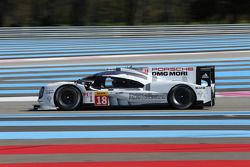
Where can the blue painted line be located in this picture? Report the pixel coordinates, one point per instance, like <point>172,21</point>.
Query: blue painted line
<point>45,74</point>
<point>224,38</point>
<point>19,91</point>
<point>129,51</point>
<point>116,47</point>
<point>207,60</point>
<point>125,39</point>
<point>9,85</point>
<point>56,69</point>
<point>232,86</point>
<point>234,67</point>
<point>126,134</point>
<point>141,39</point>
<point>132,46</point>
<point>46,79</point>
<point>122,43</point>
<point>143,51</point>
<point>232,81</point>
<point>233,73</point>
<point>113,66</point>
<point>79,46</point>
<point>126,114</point>
<point>124,122</point>
<point>218,74</point>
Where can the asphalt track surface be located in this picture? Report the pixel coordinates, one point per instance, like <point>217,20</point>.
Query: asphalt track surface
<point>229,116</point>
<point>222,104</point>
<point>25,132</point>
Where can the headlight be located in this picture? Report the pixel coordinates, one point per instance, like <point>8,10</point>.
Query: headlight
<point>41,92</point>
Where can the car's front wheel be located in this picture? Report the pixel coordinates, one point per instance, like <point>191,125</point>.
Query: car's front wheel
<point>181,97</point>
<point>68,98</point>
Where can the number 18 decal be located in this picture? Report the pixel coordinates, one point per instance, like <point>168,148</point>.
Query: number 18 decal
<point>101,99</point>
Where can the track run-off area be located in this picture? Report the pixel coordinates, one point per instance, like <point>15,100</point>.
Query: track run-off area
<point>156,137</point>
<point>92,138</point>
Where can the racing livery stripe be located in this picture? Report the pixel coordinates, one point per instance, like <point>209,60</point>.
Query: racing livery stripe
<point>122,148</point>
<point>192,163</point>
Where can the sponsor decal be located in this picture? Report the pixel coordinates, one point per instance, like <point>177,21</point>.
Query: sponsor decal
<point>88,97</point>
<point>101,99</point>
<point>49,91</point>
<point>145,70</point>
<point>87,94</point>
<point>101,93</point>
<point>172,73</point>
<point>148,97</point>
<point>175,69</point>
<point>205,76</point>
<point>185,74</point>
<point>199,87</point>
<point>49,98</point>
<point>199,93</point>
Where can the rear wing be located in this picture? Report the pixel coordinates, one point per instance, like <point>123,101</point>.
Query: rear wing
<point>206,74</point>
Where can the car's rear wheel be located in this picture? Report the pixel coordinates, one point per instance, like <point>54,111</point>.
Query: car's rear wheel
<point>68,98</point>
<point>181,97</point>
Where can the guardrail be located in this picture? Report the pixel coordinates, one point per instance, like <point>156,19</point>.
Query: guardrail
<point>121,31</point>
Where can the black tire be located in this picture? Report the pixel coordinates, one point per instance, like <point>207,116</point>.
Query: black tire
<point>181,97</point>
<point>68,97</point>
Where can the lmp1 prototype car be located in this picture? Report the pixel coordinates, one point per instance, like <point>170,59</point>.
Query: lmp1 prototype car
<point>177,87</point>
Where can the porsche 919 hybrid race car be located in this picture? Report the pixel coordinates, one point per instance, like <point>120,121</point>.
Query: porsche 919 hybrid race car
<point>177,87</point>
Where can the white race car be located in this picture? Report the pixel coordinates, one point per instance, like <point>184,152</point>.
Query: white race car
<point>177,87</point>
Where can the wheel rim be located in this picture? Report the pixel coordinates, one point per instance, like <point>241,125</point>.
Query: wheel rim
<point>182,97</point>
<point>68,98</point>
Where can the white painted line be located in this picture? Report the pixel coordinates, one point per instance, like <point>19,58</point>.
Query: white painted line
<point>154,54</point>
<point>115,56</point>
<point>16,99</point>
<point>31,60</point>
<point>120,114</point>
